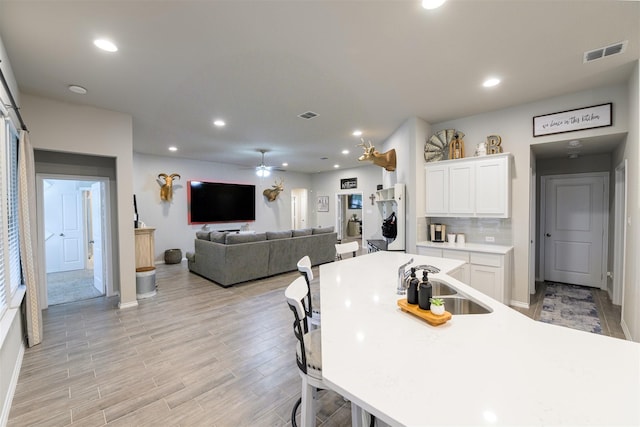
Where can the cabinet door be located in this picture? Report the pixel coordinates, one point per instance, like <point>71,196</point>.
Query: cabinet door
<point>427,251</point>
<point>437,188</point>
<point>461,189</point>
<point>487,280</point>
<point>492,188</point>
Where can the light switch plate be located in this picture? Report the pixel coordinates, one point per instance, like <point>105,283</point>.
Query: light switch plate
<point>489,239</point>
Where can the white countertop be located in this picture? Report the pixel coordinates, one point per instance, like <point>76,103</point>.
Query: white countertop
<point>501,368</point>
<point>471,247</point>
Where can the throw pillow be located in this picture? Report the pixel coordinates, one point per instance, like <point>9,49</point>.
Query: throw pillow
<point>323,230</point>
<point>218,236</point>
<point>202,235</point>
<point>274,235</point>
<point>301,232</point>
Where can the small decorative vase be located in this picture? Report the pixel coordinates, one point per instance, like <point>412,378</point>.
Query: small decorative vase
<point>437,310</point>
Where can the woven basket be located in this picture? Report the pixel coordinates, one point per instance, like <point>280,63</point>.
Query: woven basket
<point>172,256</point>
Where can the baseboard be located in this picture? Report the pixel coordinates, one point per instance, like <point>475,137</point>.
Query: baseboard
<point>519,304</point>
<point>625,329</point>
<point>6,406</point>
<point>128,304</point>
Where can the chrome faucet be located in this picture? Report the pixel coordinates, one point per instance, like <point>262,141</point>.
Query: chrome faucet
<point>402,276</point>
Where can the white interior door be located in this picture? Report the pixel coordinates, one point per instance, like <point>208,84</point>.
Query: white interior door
<point>63,227</point>
<point>97,215</point>
<point>575,229</point>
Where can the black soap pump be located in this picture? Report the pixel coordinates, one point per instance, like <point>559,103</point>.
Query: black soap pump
<point>425,291</point>
<point>412,292</point>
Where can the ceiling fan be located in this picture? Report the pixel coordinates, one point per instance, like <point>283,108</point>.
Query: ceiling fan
<point>263,170</point>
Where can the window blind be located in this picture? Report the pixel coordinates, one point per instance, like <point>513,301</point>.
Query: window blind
<point>15,273</point>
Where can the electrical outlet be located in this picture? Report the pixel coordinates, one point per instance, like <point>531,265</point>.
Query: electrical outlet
<point>489,239</point>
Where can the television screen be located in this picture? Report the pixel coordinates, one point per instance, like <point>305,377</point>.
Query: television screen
<point>355,201</point>
<point>220,202</point>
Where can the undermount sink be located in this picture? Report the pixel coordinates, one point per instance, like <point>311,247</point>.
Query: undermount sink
<point>440,289</point>
<point>457,304</point>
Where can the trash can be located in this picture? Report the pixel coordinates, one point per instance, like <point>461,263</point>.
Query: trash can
<point>145,282</point>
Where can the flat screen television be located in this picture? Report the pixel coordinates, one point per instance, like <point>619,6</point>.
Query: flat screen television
<point>355,201</point>
<point>220,202</point>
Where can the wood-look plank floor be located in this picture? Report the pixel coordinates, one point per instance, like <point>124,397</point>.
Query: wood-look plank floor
<point>195,354</point>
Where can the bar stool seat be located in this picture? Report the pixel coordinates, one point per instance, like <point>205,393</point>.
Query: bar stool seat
<point>345,248</point>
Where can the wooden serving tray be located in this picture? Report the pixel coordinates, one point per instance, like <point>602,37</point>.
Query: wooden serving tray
<point>427,315</point>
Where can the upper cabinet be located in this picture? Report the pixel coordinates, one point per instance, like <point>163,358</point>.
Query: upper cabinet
<point>471,187</point>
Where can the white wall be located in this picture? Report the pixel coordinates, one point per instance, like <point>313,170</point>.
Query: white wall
<point>514,125</point>
<point>170,218</point>
<point>71,128</point>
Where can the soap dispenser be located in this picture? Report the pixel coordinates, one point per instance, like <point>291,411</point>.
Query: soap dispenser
<point>412,292</point>
<point>425,291</point>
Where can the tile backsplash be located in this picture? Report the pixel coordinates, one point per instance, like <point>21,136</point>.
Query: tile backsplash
<point>477,229</point>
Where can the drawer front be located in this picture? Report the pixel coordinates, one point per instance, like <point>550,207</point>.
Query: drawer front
<point>491,260</point>
<point>461,255</point>
<point>434,252</point>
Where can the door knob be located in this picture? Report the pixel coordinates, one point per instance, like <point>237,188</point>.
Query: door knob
<point>91,241</point>
<point>548,235</point>
<point>61,234</point>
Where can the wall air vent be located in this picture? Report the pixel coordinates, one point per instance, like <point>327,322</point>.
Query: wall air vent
<point>308,115</point>
<point>603,52</point>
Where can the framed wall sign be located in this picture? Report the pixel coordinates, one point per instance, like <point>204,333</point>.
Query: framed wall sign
<point>597,116</point>
<point>348,183</point>
<point>323,203</point>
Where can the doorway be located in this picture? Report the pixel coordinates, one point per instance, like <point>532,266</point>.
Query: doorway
<point>349,217</point>
<point>299,208</point>
<point>74,223</point>
<point>574,228</point>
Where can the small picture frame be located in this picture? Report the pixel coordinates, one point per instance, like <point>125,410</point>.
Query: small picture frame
<point>323,203</point>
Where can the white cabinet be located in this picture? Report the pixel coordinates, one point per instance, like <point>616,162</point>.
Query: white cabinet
<point>473,187</point>
<point>390,200</point>
<point>490,273</point>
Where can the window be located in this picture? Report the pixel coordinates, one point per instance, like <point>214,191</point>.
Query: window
<point>10,271</point>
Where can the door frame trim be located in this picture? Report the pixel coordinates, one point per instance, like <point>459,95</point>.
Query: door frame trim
<point>605,237</point>
<point>620,232</point>
<point>107,249</point>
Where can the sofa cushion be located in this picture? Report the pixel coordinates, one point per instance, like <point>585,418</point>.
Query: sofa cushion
<point>274,235</point>
<point>301,232</point>
<point>323,230</point>
<point>218,236</point>
<point>202,235</point>
<point>232,239</point>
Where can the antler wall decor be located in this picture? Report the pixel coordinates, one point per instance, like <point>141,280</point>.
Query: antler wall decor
<point>386,160</point>
<point>272,193</point>
<point>166,191</point>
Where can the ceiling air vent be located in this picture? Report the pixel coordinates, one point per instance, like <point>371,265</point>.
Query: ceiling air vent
<point>602,52</point>
<point>308,115</point>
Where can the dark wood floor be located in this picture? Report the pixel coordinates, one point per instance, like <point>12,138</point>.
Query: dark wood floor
<point>195,354</point>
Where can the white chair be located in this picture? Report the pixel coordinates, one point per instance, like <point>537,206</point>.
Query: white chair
<point>308,352</point>
<point>345,248</point>
<point>312,305</point>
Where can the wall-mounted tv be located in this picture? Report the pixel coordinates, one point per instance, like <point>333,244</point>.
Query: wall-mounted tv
<point>220,202</point>
<point>354,201</point>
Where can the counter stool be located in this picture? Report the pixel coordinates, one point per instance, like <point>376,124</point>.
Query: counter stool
<point>312,305</point>
<point>345,248</point>
<point>308,353</point>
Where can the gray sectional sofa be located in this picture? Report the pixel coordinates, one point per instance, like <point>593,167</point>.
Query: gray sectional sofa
<point>228,258</point>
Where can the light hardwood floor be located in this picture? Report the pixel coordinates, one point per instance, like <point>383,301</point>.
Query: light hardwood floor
<point>195,354</point>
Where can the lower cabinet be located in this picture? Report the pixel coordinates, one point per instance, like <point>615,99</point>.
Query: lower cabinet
<point>489,273</point>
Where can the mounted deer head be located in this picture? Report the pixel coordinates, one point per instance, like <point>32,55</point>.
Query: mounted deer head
<point>386,160</point>
<point>166,191</point>
<point>272,193</point>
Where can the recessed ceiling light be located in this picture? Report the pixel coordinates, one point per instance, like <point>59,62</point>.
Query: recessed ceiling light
<point>105,45</point>
<point>491,82</point>
<point>336,166</point>
<point>78,89</point>
<point>172,148</point>
<point>357,133</point>
<point>285,164</point>
<point>345,151</point>
<point>432,4</point>
<point>219,123</point>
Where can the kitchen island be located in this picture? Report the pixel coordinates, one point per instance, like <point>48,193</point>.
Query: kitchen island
<point>500,368</point>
